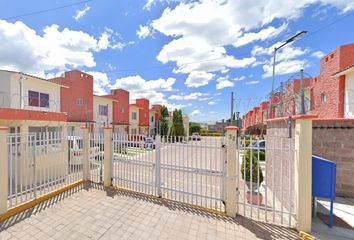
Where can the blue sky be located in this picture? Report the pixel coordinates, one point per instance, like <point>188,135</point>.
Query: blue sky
<point>188,54</point>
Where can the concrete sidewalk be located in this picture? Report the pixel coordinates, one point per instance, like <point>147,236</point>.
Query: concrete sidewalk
<point>343,211</point>
<point>96,213</point>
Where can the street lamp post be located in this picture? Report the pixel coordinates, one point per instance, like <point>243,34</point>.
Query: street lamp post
<point>292,39</point>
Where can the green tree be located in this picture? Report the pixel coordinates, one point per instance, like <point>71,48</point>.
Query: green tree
<point>194,128</point>
<point>177,128</point>
<point>164,122</point>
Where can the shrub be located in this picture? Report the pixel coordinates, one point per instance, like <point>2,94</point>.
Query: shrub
<point>255,163</point>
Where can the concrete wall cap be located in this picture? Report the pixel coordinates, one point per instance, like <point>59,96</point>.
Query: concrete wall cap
<point>231,128</point>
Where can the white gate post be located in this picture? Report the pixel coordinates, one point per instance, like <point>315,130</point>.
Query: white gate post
<point>85,154</point>
<point>231,171</point>
<point>108,154</point>
<point>158,165</point>
<point>303,172</point>
<point>3,166</point>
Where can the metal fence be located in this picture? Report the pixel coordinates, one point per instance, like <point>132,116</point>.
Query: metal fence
<point>39,163</point>
<point>96,157</point>
<point>177,168</point>
<point>134,165</point>
<point>265,179</point>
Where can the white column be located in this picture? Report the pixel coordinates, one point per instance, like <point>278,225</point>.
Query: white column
<point>4,171</point>
<point>303,173</point>
<point>85,154</point>
<point>108,154</point>
<point>231,171</point>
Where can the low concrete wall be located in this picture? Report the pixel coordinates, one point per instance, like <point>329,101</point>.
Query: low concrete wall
<point>334,140</point>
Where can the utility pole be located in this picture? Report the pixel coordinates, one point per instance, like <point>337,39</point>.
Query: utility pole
<point>302,92</point>
<point>21,91</point>
<point>281,99</point>
<point>232,108</point>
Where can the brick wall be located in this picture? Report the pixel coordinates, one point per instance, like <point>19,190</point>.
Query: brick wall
<point>120,108</point>
<point>144,105</point>
<point>334,140</point>
<point>279,163</point>
<point>77,100</point>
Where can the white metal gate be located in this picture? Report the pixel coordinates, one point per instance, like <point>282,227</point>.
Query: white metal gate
<point>266,193</point>
<point>96,157</point>
<point>39,163</point>
<point>175,168</point>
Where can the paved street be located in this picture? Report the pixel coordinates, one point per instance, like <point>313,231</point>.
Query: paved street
<point>95,213</point>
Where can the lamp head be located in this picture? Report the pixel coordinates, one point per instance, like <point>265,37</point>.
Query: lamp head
<point>298,35</point>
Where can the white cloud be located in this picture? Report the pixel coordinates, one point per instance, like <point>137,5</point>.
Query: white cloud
<point>286,59</point>
<point>176,97</point>
<point>224,82</point>
<point>201,30</point>
<point>262,35</point>
<point>173,106</point>
<point>252,82</point>
<point>318,54</point>
<point>141,88</point>
<point>100,82</point>
<point>80,13</point>
<point>103,42</point>
<point>198,79</point>
<point>192,96</point>
<point>137,83</point>
<point>143,31</point>
<point>241,78</point>
<point>284,67</point>
<point>196,112</point>
<point>196,54</point>
<point>285,53</point>
<point>54,49</point>
<point>150,3</point>
<point>211,103</point>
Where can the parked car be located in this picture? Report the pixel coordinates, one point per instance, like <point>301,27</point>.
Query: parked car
<point>259,147</point>
<point>149,143</point>
<point>258,144</point>
<point>196,137</point>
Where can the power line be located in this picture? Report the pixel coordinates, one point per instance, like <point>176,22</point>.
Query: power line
<point>327,26</point>
<point>46,10</point>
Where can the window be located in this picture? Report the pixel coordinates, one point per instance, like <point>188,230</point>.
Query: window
<point>152,118</point>
<point>33,99</point>
<point>134,115</point>
<point>80,101</point>
<point>332,55</point>
<point>37,99</point>
<point>323,97</point>
<point>134,131</point>
<point>103,110</point>
<point>44,100</point>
